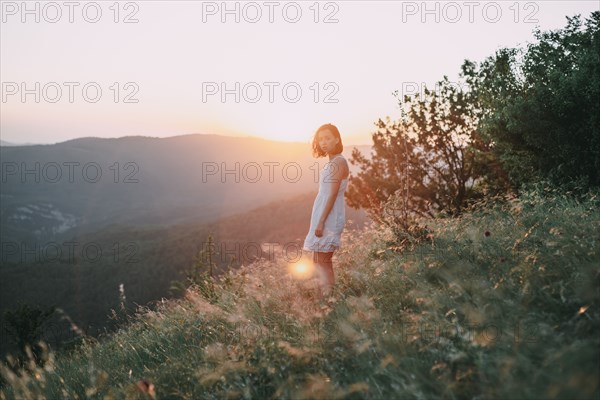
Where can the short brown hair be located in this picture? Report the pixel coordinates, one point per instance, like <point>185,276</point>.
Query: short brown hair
<point>317,152</point>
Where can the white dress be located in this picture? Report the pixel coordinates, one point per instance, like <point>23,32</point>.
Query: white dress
<point>336,220</point>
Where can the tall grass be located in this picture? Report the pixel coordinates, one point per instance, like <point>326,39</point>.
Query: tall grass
<point>500,303</point>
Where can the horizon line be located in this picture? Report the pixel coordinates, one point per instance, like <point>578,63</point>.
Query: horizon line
<point>13,144</point>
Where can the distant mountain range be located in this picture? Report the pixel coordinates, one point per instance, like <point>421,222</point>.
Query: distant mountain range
<point>149,218</point>
<point>53,191</point>
<point>5,143</point>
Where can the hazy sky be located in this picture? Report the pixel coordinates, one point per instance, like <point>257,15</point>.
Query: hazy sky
<point>163,73</point>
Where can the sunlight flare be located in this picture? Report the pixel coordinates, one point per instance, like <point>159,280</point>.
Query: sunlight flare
<point>301,269</point>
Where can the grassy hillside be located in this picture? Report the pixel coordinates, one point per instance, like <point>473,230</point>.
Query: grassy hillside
<point>150,258</point>
<point>501,303</point>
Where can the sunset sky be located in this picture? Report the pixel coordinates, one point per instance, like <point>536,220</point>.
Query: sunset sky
<point>178,56</point>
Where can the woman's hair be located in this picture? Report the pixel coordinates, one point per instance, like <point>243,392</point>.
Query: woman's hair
<point>317,152</point>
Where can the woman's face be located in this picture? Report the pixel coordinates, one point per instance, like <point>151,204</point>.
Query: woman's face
<point>327,141</point>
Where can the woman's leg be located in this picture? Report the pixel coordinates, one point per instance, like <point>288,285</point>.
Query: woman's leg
<point>324,265</point>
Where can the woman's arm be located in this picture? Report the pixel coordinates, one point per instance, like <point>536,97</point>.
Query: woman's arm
<point>335,179</point>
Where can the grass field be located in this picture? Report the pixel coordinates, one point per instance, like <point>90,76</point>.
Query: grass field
<point>501,303</point>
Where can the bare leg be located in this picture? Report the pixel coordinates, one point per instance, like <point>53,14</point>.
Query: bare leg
<point>324,266</point>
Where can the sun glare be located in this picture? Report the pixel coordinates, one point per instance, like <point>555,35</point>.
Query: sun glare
<point>301,269</point>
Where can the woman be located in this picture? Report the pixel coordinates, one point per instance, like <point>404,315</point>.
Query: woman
<point>328,217</point>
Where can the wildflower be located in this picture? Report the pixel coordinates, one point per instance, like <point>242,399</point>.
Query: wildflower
<point>146,387</point>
